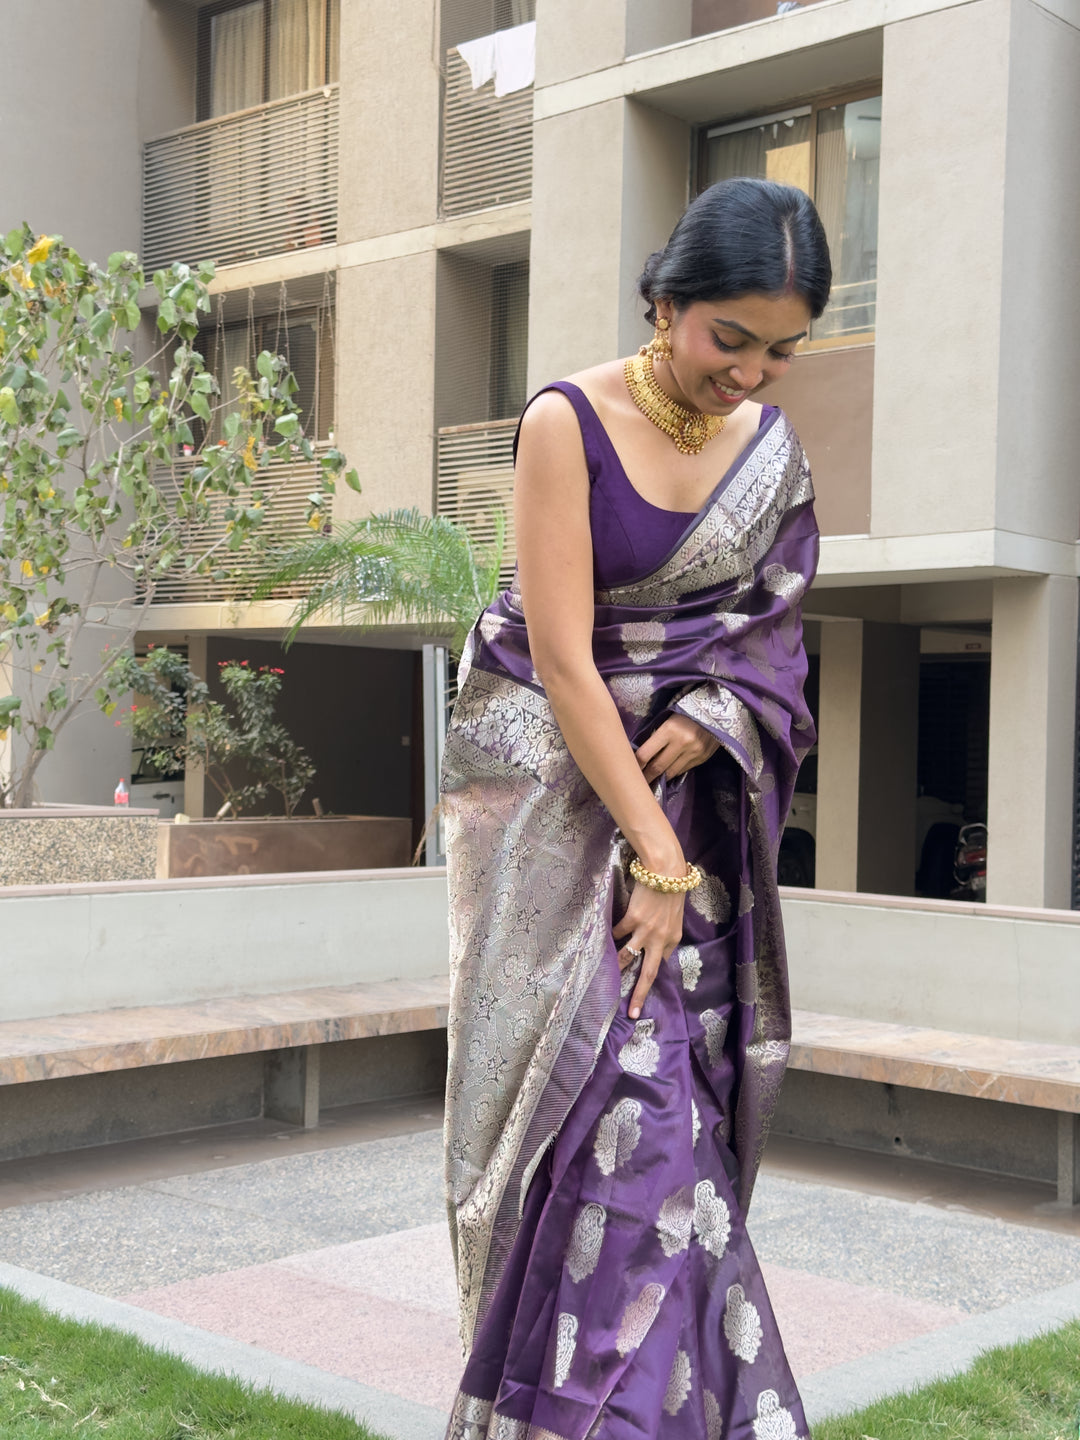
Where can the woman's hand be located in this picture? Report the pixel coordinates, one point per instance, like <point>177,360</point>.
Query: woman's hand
<point>675,747</point>
<point>653,924</point>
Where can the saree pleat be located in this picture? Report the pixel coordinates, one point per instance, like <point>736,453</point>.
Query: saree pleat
<point>599,1169</point>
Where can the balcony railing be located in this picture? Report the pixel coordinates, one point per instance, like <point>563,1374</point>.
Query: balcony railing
<point>474,482</point>
<point>260,182</point>
<point>487,143</point>
<point>285,487</point>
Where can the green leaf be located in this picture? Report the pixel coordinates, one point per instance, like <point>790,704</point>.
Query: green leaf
<point>45,738</point>
<point>265,364</point>
<point>166,314</point>
<point>352,479</point>
<point>132,315</point>
<point>8,705</point>
<point>287,425</point>
<point>57,697</point>
<point>231,425</point>
<point>9,407</point>
<point>101,324</point>
<point>200,405</point>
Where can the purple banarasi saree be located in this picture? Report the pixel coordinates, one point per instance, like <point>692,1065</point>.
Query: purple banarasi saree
<point>599,1169</point>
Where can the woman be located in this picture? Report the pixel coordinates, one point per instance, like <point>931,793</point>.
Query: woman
<point>621,759</point>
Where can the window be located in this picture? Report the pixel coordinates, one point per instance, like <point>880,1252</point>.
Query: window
<point>252,51</point>
<point>509,339</point>
<point>831,151</point>
<point>304,338</point>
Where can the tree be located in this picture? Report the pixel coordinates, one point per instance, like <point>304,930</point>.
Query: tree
<point>401,565</point>
<point>112,472</point>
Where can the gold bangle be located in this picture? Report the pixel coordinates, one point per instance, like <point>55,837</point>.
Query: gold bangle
<point>666,884</point>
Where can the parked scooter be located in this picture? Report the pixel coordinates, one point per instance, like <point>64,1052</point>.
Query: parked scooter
<point>969,869</point>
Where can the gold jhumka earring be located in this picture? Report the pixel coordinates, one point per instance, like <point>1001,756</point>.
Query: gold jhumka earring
<point>659,347</point>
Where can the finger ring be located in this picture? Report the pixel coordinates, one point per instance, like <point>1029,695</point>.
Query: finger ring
<point>634,954</point>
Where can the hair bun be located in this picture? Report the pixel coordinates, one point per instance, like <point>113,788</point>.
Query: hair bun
<point>647,281</point>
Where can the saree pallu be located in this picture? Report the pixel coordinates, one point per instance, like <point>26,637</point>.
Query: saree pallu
<point>599,1169</point>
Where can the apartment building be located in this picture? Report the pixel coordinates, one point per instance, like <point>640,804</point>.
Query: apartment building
<point>432,225</point>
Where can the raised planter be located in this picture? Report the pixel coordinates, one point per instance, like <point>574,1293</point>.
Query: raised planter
<point>76,844</point>
<point>275,845</point>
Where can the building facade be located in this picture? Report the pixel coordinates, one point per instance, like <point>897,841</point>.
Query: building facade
<point>431,228</point>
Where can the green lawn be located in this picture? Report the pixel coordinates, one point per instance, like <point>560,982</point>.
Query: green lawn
<point>60,1378</point>
<point>1021,1392</point>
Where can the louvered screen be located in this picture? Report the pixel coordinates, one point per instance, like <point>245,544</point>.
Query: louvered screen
<point>259,182</point>
<point>285,487</point>
<point>475,481</point>
<point>487,143</point>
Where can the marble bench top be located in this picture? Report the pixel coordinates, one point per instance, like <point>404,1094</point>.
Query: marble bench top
<point>160,1034</point>
<point>1018,1072</point>
<point>1015,1071</point>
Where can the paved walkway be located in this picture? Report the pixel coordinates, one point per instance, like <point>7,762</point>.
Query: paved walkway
<point>337,1258</point>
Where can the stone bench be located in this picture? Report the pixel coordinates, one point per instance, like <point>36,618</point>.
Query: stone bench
<point>289,1029</point>
<point>1011,1072</point>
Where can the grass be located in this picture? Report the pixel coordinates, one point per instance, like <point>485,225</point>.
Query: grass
<point>1020,1392</point>
<point>59,1378</point>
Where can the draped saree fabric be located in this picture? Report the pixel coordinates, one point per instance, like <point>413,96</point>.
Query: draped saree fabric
<point>598,1169</point>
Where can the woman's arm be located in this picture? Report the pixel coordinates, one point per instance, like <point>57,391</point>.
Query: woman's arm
<point>555,570</point>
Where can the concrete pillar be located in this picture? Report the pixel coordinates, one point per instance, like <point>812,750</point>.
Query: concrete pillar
<point>384,406</point>
<point>867,753</point>
<point>839,736</point>
<point>574,39</point>
<point>634,165</point>
<point>390,87</point>
<point>1032,740</point>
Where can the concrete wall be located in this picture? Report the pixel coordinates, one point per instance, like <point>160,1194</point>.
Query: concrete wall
<point>829,396</point>
<point>389,137</point>
<point>977,969</point>
<point>151,943</point>
<point>1037,491</point>
<point>944,90</point>
<point>385,326</point>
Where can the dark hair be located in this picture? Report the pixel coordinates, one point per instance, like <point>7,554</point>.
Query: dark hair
<point>742,237</point>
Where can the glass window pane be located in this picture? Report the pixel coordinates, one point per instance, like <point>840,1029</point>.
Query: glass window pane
<point>846,182</point>
<point>778,150</point>
<point>333,43</point>
<point>236,58</point>
<point>297,47</point>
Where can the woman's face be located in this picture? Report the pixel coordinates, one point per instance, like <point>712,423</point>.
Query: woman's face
<point>723,351</point>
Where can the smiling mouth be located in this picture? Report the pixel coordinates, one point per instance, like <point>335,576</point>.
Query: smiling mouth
<point>725,393</point>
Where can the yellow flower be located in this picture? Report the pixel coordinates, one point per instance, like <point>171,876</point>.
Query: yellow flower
<point>42,619</point>
<point>249,454</point>
<point>27,568</point>
<point>40,250</point>
<point>118,407</point>
<point>19,275</point>
<point>315,523</point>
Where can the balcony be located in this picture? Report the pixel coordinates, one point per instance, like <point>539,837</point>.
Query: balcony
<point>285,487</point>
<point>474,482</point>
<point>259,182</point>
<point>487,143</point>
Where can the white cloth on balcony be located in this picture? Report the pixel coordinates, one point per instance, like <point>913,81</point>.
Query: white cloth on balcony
<point>479,56</point>
<point>508,57</point>
<point>515,58</point>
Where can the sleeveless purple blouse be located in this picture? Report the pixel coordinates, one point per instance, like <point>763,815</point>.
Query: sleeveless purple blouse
<point>631,537</point>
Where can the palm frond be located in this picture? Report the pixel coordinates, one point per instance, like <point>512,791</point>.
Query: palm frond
<point>399,565</point>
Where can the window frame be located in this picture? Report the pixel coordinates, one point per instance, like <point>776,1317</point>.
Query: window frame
<point>204,56</point>
<point>811,106</point>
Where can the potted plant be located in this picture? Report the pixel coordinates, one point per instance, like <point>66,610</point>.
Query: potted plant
<point>250,760</point>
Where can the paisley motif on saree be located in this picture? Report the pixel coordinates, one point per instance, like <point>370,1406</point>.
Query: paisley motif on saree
<point>537,872</point>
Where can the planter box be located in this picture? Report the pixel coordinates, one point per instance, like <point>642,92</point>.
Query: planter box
<point>76,844</point>
<point>276,846</point>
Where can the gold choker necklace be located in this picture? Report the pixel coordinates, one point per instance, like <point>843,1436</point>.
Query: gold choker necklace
<point>690,429</point>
